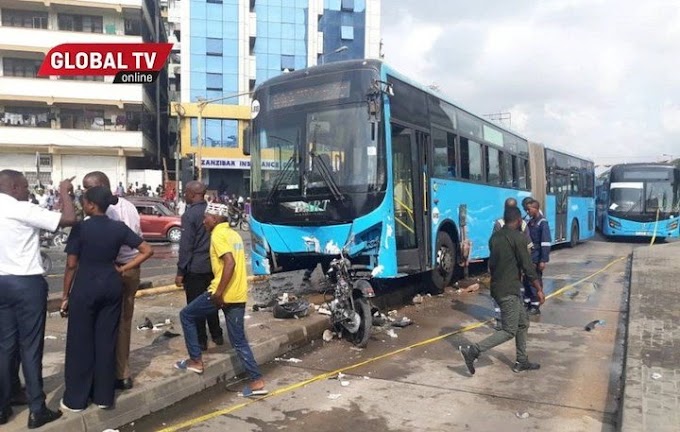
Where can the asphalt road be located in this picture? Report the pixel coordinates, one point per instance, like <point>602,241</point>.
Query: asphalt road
<point>159,268</point>
<point>427,388</point>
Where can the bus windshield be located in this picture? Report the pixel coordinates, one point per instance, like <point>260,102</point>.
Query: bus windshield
<point>644,198</point>
<point>316,157</point>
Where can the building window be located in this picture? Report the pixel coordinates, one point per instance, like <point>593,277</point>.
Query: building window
<point>213,46</point>
<point>214,1</point>
<point>288,62</point>
<point>216,133</point>
<point>214,81</point>
<point>81,23</point>
<point>16,67</point>
<point>26,117</point>
<point>347,5</point>
<point>83,119</point>
<point>133,27</point>
<point>25,19</point>
<point>346,33</point>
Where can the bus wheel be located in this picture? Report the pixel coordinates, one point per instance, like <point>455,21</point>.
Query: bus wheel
<point>574,234</point>
<point>445,263</point>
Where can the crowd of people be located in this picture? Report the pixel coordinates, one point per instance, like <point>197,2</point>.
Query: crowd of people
<point>104,253</point>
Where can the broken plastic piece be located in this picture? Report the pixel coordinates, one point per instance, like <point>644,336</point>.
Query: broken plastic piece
<point>288,360</point>
<point>327,335</point>
<point>334,396</point>
<point>656,376</point>
<point>148,325</point>
<point>50,337</point>
<point>524,415</point>
<point>344,383</point>
<point>418,299</point>
<point>391,333</point>
<point>324,311</point>
<point>591,325</point>
<point>402,322</point>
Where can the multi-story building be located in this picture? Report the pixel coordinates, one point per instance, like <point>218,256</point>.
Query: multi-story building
<point>230,46</point>
<point>59,127</point>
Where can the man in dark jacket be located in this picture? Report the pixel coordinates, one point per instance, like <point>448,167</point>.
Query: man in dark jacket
<point>509,256</point>
<point>193,267</point>
<point>539,230</point>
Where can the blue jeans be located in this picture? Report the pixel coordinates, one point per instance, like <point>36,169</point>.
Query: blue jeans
<point>23,308</point>
<point>202,307</point>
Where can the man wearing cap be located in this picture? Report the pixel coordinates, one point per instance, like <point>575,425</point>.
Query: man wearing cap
<point>228,292</point>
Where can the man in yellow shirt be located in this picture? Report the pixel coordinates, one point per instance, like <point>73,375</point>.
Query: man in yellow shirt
<point>228,291</point>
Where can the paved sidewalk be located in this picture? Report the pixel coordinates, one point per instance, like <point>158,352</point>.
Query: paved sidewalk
<point>157,384</point>
<point>652,377</point>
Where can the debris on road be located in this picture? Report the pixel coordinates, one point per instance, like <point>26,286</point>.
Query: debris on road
<point>402,322</point>
<point>324,311</point>
<point>292,309</point>
<point>524,415</point>
<point>391,333</point>
<point>353,348</point>
<point>148,325</point>
<point>334,396</point>
<point>338,377</point>
<point>418,299</point>
<point>344,383</point>
<point>288,360</point>
<point>328,335</point>
<point>656,376</point>
<point>392,313</point>
<point>591,325</point>
<point>164,337</point>
<point>50,337</point>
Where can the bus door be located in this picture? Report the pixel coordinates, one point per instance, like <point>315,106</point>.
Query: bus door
<point>407,178</point>
<point>561,185</point>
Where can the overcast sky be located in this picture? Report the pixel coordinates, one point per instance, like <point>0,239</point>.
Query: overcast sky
<point>600,78</point>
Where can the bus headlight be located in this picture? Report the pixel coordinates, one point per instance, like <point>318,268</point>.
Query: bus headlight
<point>614,224</point>
<point>673,225</point>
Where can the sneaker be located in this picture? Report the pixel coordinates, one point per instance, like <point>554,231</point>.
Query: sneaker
<point>105,407</point>
<point>63,406</point>
<point>469,356</point>
<point>534,311</point>
<point>204,346</point>
<point>219,340</point>
<point>525,366</point>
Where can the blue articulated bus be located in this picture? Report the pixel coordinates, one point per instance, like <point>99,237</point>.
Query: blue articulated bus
<point>639,200</point>
<point>353,154</point>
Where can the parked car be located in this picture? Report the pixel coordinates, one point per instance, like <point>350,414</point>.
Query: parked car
<point>158,221</point>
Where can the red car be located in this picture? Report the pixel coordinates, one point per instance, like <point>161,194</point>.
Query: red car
<point>158,222</point>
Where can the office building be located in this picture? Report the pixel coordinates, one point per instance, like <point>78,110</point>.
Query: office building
<point>57,127</point>
<point>230,46</point>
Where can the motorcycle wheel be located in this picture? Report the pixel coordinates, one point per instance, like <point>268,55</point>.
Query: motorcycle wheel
<point>361,336</point>
<point>245,225</point>
<point>59,239</point>
<point>46,262</point>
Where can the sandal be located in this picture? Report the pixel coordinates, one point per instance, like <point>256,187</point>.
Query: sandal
<point>184,365</point>
<point>249,392</point>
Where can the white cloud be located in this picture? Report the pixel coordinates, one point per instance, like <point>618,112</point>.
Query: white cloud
<point>590,76</point>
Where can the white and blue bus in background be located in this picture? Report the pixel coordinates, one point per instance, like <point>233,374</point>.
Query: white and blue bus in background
<point>639,200</point>
<point>354,154</point>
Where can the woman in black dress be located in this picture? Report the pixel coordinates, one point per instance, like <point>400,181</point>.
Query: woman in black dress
<point>92,297</point>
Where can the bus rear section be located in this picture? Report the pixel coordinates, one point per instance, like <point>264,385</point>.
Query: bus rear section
<point>640,200</point>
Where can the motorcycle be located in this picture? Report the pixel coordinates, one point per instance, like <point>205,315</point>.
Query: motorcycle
<point>238,218</point>
<point>56,239</point>
<point>350,308</point>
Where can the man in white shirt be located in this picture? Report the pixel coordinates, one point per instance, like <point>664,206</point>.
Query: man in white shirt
<point>23,291</point>
<point>127,213</point>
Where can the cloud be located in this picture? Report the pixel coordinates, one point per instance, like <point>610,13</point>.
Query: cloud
<point>595,77</point>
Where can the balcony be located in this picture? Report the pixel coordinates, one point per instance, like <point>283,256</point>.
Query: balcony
<point>18,137</point>
<point>68,91</point>
<point>118,5</point>
<point>39,40</point>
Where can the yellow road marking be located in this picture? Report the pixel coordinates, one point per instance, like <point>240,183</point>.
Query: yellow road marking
<point>327,375</point>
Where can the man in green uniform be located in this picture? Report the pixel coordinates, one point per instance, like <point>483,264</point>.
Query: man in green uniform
<point>509,258</point>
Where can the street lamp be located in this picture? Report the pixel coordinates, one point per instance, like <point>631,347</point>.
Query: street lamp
<point>202,103</point>
<point>336,51</point>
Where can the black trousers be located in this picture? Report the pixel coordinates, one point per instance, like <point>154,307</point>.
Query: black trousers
<point>23,308</point>
<point>196,284</point>
<point>530,293</point>
<point>90,369</point>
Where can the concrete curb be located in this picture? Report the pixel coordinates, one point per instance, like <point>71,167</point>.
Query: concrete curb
<point>146,288</point>
<point>140,402</point>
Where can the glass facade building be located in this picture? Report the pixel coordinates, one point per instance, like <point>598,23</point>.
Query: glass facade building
<point>231,46</point>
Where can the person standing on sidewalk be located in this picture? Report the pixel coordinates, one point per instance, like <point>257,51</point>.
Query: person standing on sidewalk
<point>23,291</point>
<point>540,253</point>
<point>92,298</point>
<point>193,267</point>
<point>228,292</point>
<point>124,211</point>
<point>508,255</point>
